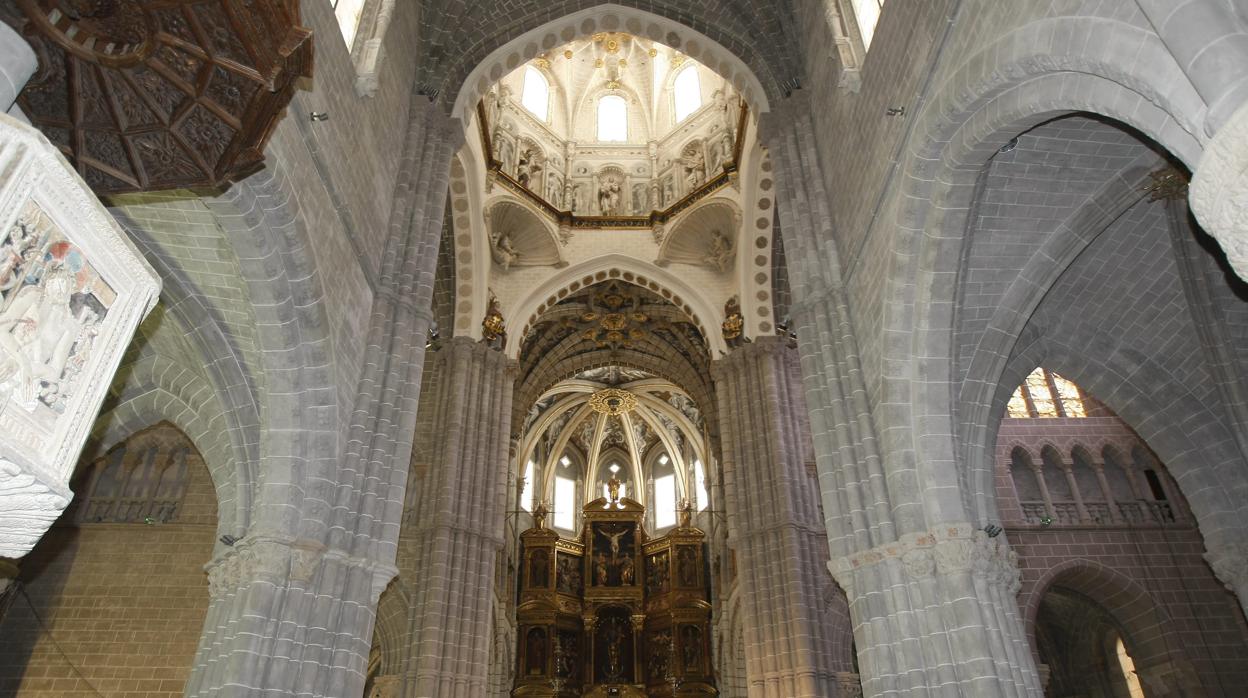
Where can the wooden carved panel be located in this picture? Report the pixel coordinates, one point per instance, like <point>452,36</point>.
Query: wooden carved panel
<point>159,94</point>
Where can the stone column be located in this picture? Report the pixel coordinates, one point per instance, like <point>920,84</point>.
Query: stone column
<point>1114,514</point>
<point>933,599</point>
<point>294,616</point>
<point>1068,471</point>
<point>461,530</point>
<point>1038,471</point>
<point>788,648</point>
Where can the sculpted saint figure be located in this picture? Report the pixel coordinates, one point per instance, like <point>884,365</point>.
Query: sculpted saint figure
<point>502,251</point>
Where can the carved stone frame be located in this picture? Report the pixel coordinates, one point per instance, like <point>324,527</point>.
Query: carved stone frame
<point>847,35</point>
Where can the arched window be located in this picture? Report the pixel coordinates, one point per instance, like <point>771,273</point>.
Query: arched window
<point>612,119</point>
<point>536,93</point>
<point>1046,394</point>
<point>526,494</point>
<point>349,13</point>
<point>565,503</point>
<point>867,12</point>
<point>699,485</point>
<point>688,93</point>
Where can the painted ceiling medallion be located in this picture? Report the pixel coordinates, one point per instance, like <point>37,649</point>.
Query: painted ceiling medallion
<point>147,94</point>
<point>613,402</point>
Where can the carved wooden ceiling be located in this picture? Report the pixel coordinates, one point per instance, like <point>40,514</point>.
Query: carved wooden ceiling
<point>159,94</point>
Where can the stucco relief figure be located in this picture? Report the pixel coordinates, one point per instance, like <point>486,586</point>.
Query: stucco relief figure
<point>528,168</point>
<point>725,148</point>
<point>17,249</point>
<point>639,199</point>
<point>721,253</point>
<point>669,192</point>
<point>503,252</point>
<point>572,195</point>
<point>695,169</point>
<point>609,198</point>
<point>49,315</point>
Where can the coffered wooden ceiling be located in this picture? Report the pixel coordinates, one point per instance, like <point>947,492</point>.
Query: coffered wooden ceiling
<point>159,94</point>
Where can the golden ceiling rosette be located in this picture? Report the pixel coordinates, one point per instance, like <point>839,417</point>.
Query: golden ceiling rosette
<point>613,402</point>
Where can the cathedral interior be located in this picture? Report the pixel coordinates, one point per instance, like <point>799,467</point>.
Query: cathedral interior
<point>739,348</point>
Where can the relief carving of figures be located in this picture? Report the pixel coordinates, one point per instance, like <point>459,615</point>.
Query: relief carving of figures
<point>529,167</point>
<point>53,301</point>
<point>501,249</point>
<point>721,253</point>
<point>639,199</point>
<point>694,166</point>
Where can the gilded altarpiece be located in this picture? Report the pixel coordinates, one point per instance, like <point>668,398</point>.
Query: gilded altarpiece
<point>614,613</point>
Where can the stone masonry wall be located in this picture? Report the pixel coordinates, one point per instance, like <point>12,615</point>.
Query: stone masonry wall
<point>124,604</point>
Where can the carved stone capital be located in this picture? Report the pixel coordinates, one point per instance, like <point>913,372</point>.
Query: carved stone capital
<point>951,549</point>
<point>1219,190</point>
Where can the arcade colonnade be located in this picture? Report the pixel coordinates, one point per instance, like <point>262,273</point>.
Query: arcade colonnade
<point>931,595</point>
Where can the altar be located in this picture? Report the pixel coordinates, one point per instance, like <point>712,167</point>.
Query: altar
<point>614,613</point>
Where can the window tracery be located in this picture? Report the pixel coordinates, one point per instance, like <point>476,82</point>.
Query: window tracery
<point>1046,394</point>
<point>142,480</point>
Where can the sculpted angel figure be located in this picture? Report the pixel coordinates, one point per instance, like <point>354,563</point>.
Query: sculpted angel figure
<point>501,249</point>
<point>721,252</point>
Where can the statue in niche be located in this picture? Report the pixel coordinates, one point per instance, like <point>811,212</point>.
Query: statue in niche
<point>502,151</point>
<point>539,569</point>
<point>691,641</point>
<point>613,488</point>
<point>528,168</point>
<point>626,572</point>
<point>669,192</point>
<point>609,197</point>
<point>660,646</point>
<point>600,570</point>
<point>687,567</point>
<point>614,535</point>
<point>535,656</point>
<point>721,254</point>
<point>657,577</point>
<point>553,192</point>
<point>501,249</point>
<point>725,148</point>
<point>614,634</point>
<point>694,166</point>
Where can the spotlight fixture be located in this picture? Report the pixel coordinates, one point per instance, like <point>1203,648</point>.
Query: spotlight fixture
<point>228,540</point>
<point>992,530</point>
<point>1010,145</point>
<point>896,111</point>
<point>319,116</point>
<point>1046,520</point>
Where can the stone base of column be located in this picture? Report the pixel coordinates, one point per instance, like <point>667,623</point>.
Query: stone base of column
<point>939,608</point>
